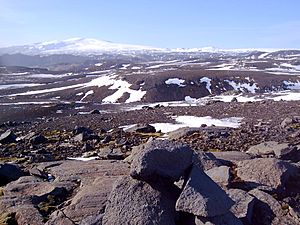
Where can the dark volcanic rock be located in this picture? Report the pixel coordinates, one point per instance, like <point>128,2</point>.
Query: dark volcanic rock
<point>95,111</point>
<point>142,128</point>
<point>268,210</point>
<point>7,137</point>
<point>203,197</point>
<point>79,130</point>
<point>137,202</point>
<point>106,139</point>
<point>38,139</point>
<point>9,172</point>
<point>161,159</point>
<point>85,137</point>
<point>226,219</point>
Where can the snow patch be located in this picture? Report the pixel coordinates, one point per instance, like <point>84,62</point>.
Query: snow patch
<point>176,81</point>
<point>16,86</point>
<point>83,159</point>
<point>124,66</point>
<point>242,87</point>
<point>190,100</point>
<point>292,85</point>
<point>263,55</point>
<point>196,122</point>
<point>24,103</point>
<point>208,83</point>
<point>87,94</point>
<point>287,96</point>
<point>123,87</point>
<point>193,122</point>
<point>44,91</point>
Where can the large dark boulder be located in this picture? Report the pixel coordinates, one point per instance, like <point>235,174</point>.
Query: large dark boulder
<point>79,130</point>
<point>137,202</point>
<point>38,139</point>
<point>9,172</point>
<point>7,137</point>
<point>161,159</point>
<point>202,197</point>
<point>142,128</point>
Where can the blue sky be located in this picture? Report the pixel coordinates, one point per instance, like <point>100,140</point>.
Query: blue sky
<point>159,23</point>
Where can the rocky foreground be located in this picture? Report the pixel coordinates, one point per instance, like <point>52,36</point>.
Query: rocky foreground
<point>206,175</point>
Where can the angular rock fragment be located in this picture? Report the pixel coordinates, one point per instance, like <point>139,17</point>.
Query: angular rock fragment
<point>221,175</point>
<point>268,210</point>
<point>79,130</point>
<point>226,219</point>
<point>7,137</point>
<point>206,160</point>
<point>137,202</point>
<point>203,197</point>
<point>59,218</point>
<point>231,156</point>
<point>243,206</point>
<point>267,148</point>
<point>161,159</point>
<point>142,128</point>
<point>266,171</point>
<point>38,139</point>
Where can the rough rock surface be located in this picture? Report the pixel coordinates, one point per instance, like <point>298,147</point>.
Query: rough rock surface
<point>90,183</point>
<point>137,202</point>
<point>206,160</point>
<point>226,219</point>
<point>59,218</point>
<point>243,206</point>
<point>267,148</point>
<point>265,171</point>
<point>142,128</point>
<point>161,159</point>
<point>181,132</point>
<point>203,197</point>
<point>231,156</point>
<point>269,211</point>
<point>221,175</point>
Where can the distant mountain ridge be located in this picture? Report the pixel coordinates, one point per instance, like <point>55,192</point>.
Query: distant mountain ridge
<point>76,46</point>
<point>88,46</point>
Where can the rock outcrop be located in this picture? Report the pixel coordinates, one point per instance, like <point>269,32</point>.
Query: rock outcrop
<point>137,202</point>
<point>269,172</point>
<point>203,197</point>
<point>161,159</point>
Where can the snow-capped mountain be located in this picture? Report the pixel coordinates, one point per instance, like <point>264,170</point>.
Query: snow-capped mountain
<point>88,46</point>
<point>76,46</point>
